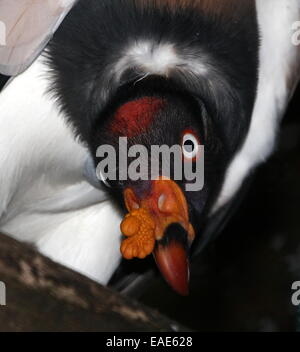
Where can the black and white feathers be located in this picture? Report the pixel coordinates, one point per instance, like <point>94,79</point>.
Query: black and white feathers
<point>234,57</point>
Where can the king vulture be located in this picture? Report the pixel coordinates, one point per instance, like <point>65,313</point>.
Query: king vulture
<point>217,73</point>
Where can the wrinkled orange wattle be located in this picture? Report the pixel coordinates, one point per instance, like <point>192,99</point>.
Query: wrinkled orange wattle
<point>146,221</point>
<point>139,227</point>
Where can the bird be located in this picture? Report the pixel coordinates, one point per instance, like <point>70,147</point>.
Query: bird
<point>217,74</point>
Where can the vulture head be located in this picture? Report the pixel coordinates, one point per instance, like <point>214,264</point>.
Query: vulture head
<point>175,102</point>
<point>161,93</point>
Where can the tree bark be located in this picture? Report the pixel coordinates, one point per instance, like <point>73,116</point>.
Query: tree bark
<point>44,296</point>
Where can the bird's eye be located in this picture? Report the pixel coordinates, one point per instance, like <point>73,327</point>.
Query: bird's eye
<point>190,145</point>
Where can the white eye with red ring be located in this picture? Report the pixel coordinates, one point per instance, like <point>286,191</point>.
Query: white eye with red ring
<point>190,145</point>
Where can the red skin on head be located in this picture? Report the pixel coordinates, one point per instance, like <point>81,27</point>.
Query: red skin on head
<point>134,117</point>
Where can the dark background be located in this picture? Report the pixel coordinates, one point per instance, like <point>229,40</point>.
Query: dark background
<point>242,281</point>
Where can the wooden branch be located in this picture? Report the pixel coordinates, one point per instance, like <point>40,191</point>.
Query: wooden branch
<point>44,296</point>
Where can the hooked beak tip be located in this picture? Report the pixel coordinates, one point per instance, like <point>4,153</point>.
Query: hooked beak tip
<point>173,264</point>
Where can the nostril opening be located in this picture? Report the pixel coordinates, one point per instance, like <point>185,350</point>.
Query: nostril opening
<point>161,201</point>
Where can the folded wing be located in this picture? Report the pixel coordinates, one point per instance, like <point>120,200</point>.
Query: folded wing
<point>26,26</point>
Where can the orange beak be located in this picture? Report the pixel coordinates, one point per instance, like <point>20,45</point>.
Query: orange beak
<point>147,223</point>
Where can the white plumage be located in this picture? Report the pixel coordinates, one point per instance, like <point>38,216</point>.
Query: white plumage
<point>45,198</point>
